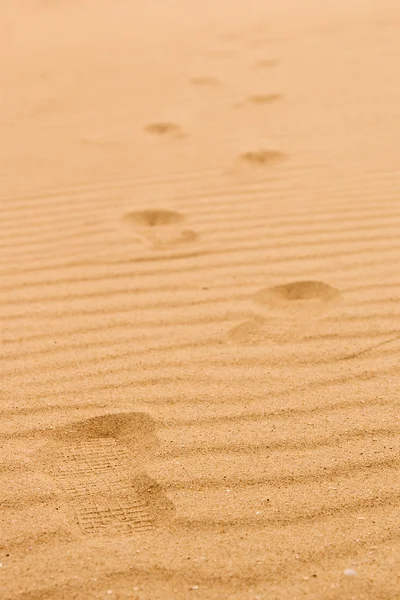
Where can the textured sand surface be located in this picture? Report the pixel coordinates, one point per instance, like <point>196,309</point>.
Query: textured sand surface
<point>200,316</point>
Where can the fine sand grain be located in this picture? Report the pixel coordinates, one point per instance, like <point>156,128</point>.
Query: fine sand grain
<point>200,300</point>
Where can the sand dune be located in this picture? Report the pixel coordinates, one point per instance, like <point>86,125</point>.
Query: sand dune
<point>199,300</point>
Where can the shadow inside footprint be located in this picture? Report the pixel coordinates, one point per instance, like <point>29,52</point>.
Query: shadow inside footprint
<point>98,464</point>
<point>154,217</point>
<point>165,129</point>
<point>264,98</point>
<point>261,158</point>
<point>159,228</point>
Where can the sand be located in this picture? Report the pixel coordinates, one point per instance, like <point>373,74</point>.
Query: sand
<point>200,220</point>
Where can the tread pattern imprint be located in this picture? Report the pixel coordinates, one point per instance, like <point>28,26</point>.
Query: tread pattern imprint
<point>101,478</point>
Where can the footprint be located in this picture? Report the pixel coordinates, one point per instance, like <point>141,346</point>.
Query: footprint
<point>159,228</point>
<point>261,158</point>
<point>165,129</point>
<point>286,313</point>
<point>298,299</point>
<point>155,217</point>
<point>98,464</point>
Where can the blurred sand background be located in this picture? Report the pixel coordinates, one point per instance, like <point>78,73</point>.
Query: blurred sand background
<point>200,317</point>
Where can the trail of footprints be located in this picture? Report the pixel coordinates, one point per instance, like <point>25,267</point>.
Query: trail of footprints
<point>255,158</point>
<point>282,313</point>
<point>161,229</point>
<point>97,464</point>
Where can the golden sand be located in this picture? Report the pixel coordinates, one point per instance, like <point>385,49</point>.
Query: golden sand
<point>200,300</point>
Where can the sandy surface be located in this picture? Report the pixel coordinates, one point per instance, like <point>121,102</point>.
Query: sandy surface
<point>200,317</point>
